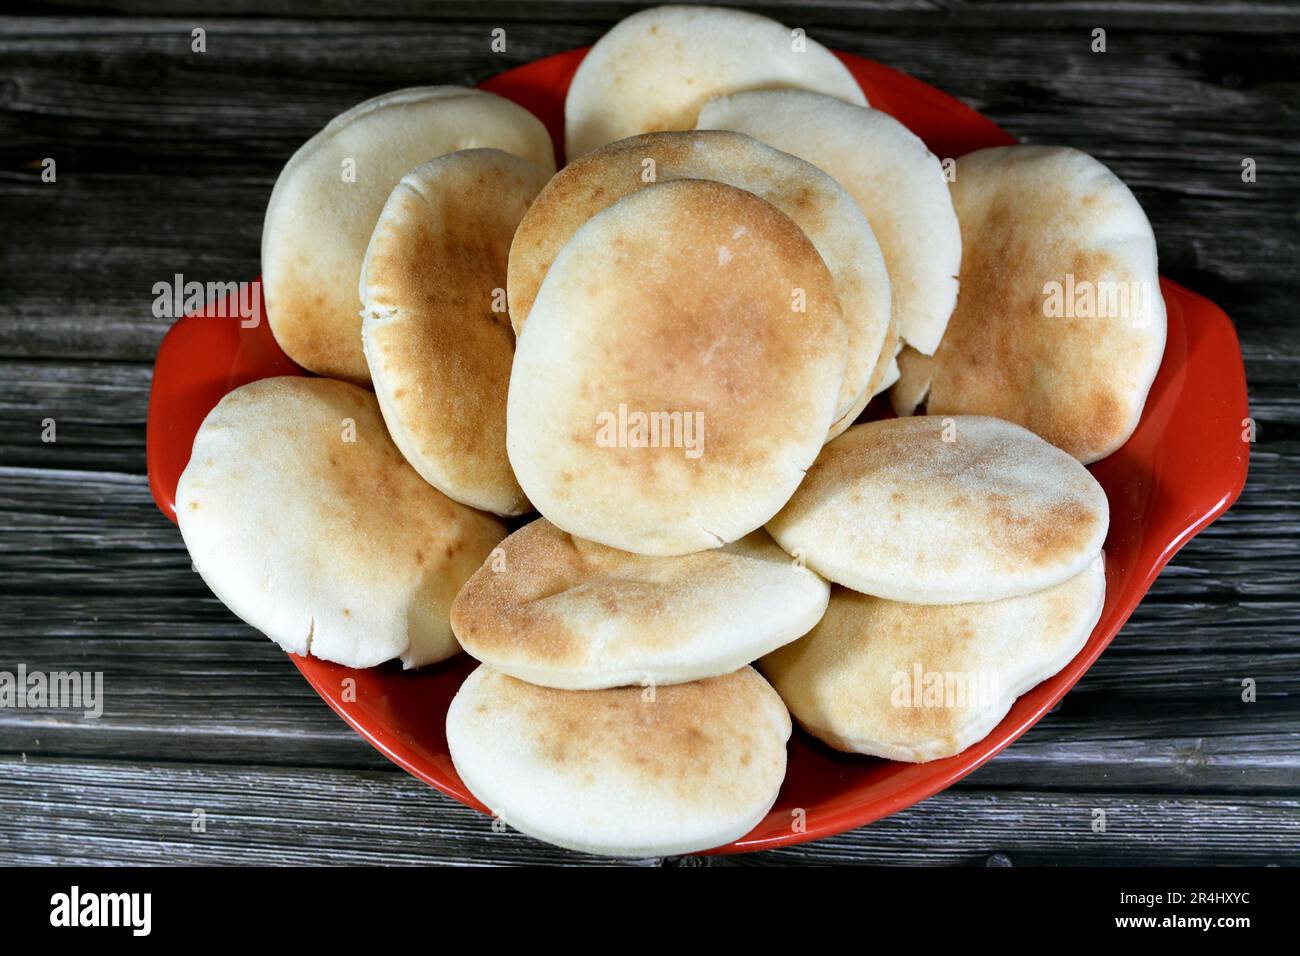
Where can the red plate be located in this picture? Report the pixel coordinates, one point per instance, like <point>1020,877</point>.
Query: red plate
<point>1183,467</point>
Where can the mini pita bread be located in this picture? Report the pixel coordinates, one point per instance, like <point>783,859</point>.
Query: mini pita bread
<point>303,518</point>
<point>1038,223</point>
<point>329,196</point>
<point>919,682</point>
<point>558,611</point>
<point>668,392</point>
<point>944,510</point>
<point>814,201</point>
<point>624,772</point>
<point>655,69</point>
<point>439,354</point>
<point>890,174</point>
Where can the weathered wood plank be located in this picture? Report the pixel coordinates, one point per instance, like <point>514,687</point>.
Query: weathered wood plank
<point>135,113</point>
<point>92,812</point>
<point>966,15</point>
<point>1036,829</point>
<point>80,416</point>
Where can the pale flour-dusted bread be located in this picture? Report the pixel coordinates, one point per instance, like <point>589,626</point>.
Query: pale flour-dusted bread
<point>328,197</point>
<point>304,519</point>
<point>919,682</point>
<point>814,202</point>
<point>1060,323</point>
<point>555,610</point>
<point>435,327</point>
<point>897,182</point>
<point>655,69</point>
<point>678,371</point>
<point>628,771</point>
<point>933,510</point>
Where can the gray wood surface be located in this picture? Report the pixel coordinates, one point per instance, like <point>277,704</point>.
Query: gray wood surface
<point>165,160</point>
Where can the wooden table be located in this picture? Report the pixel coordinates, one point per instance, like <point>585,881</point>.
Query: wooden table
<point>165,158</point>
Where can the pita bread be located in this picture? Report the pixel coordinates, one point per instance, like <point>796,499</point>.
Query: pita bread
<point>1051,238</point>
<point>558,611</point>
<point>654,70</point>
<point>329,196</point>
<point>913,384</point>
<point>944,510</point>
<point>303,518</point>
<point>684,307</point>
<point>919,682</point>
<point>439,355</point>
<point>890,174</point>
<point>814,201</point>
<point>626,771</point>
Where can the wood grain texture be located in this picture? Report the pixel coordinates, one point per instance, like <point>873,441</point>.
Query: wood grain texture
<point>969,15</point>
<point>115,813</point>
<point>165,161</point>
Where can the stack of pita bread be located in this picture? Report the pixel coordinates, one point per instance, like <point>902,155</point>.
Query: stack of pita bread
<point>663,349</point>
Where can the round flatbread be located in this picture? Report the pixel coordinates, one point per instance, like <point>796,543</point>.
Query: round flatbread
<point>678,371</point>
<point>919,682</point>
<point>654,70</point>
<point>1060,324</point>
<point>815,202</point>
<point>555,610</point>
<point>304,519</point>
<point>890,174</point>
<point>436,332</point>
<point>625,772</point>
<point>944,510</point>
<point>329,196</point>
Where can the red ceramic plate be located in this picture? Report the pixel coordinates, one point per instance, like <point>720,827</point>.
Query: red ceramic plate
<point>1183,467</point>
